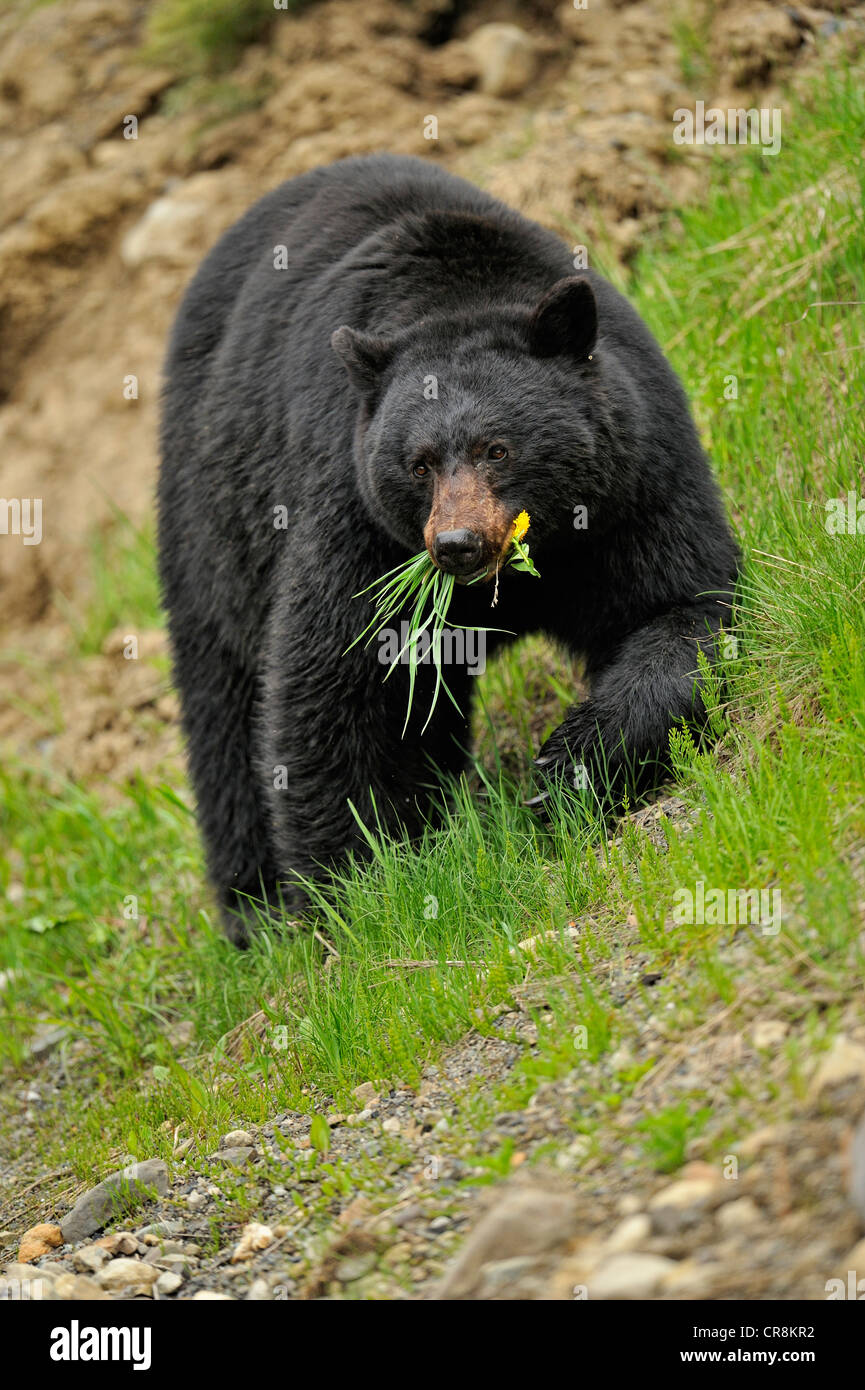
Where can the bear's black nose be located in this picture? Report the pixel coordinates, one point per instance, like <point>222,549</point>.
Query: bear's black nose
<point>458,552</point>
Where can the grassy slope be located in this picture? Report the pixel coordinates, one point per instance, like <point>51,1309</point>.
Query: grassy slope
<point>777,803</point>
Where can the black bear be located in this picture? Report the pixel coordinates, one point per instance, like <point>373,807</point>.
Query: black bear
<point>380,357</point>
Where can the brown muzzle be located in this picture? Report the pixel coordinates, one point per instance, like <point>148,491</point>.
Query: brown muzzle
<point>469,527</point>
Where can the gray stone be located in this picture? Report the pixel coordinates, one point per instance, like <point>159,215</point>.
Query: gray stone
<point>160,1228</point>
<point>120,1192</point>
<point>525,1221</point>
<point>237,1158</point>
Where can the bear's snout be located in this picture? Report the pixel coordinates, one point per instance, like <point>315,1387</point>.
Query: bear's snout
<point>468,527</point>
<point>458,552</point>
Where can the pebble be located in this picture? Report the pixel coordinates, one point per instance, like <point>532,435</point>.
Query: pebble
<point>688,1192</point>
<point>160,1228</point>
<point>237,1158</point>
<point>630,1234</point>
<point>237,1139</point>
<point>90,1259</point>
<point>738,1215</point>
<point>124,1273</point>
<point>253,1237</point>
<point>628,1205</point>
<point>629,1275</point>
<point>168,1282</point>
<point>121,1243</point>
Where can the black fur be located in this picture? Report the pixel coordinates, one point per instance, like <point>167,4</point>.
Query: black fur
<point>431,277</point>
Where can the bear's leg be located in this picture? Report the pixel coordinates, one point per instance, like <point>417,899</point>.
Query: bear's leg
<point>218,697</point>
<point>617,741</point>
<point>332,736</point>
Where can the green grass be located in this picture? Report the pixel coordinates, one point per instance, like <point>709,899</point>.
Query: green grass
<point>123,586</point>
<point>775,804</point>
<point>691,25</point>
<point>204,36</point>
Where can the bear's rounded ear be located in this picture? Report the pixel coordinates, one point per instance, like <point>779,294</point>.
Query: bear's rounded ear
<point>363,356</point>
<point>565,321</point>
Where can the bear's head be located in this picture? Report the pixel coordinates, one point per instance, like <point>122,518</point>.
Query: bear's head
<point>467,419</point>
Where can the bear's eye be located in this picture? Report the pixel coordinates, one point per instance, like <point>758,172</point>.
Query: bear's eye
<point>420,470</point>
<point>497,452</point>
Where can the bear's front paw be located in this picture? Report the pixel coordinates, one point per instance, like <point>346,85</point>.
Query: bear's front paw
<point>571,759</point>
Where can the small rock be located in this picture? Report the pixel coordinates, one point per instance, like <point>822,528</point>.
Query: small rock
<point>688,1192</point>
<point>39,1241</point>
<point>211,1296</point>
<point>76,1288</point>
<point>121,1243</point>
<point>629,1205</point>
<point>259,1292</point>
<point>391,1126</point>
<point>237,1158</point>
<point>45,1039</point>
<point>125,1274</point>
<point>237,1139</point>
<point>526,1220</point>
<point>160,1228</point>
<point>156,1248</point>
<point>738,1215</point>
<point>119,1192</point>
<point>844,1062</point>
<point>366,1094</point>
<point>440,1223</point>
<point>195,1199</point>
<point>168,1282</point>
<point>90,1259</point>
<point>506,57</point>
<point>629,1275</point>
<point>762,1139</point>
<point>177,1263</point>
<point>630,1234</point>
<point>529,944</point>
<point>253,1237</point>
<point>407,1215</point>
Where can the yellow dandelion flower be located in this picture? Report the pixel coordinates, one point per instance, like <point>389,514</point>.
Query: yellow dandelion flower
<point>521,526</point>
